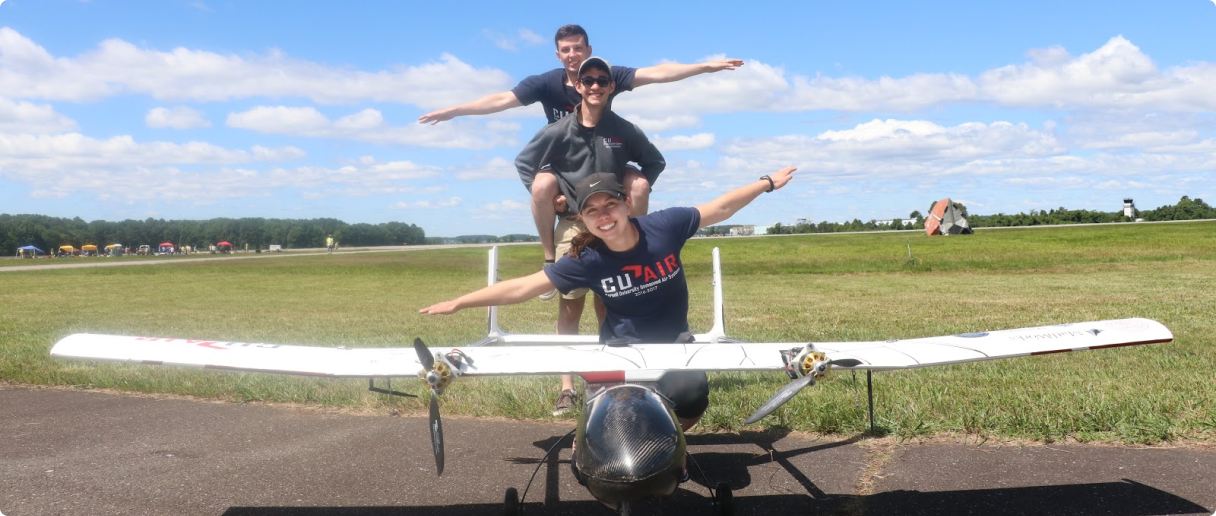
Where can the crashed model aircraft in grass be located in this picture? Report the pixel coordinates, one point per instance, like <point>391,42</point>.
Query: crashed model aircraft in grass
<point>629,444</point>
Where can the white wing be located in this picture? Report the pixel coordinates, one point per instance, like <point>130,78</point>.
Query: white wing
<point>597,362</point>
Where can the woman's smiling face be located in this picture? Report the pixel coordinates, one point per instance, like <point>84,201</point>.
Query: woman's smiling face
<point>605,216</point>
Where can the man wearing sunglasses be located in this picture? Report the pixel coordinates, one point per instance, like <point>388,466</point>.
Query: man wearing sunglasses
<point>592,139</point>
<point>556,92</point>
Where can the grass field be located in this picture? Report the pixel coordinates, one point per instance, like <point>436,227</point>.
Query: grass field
<point>792,288</point>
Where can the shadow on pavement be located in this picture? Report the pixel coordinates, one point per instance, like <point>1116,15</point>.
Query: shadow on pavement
<point>1125,498</point>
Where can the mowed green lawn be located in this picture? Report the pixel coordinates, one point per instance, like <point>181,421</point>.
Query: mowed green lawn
<point>791,288</point>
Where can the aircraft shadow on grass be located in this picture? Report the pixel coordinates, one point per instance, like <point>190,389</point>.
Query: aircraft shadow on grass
<point>1125,498</point>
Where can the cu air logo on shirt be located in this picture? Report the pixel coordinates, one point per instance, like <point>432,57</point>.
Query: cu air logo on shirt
<point>641,279</point>
<point>613,142</point>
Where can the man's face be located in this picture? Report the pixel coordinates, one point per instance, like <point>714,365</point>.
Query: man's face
<point>572,51</point>
<point>595,86</point>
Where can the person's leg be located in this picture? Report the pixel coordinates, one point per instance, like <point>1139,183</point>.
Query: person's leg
<point>638,189</point>
<point>569,308</point>
<point>689,392</point>
<point>544,190</point>
<point>569,313</point>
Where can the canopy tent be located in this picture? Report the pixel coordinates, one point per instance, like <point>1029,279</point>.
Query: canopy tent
<point>945,220</point>
<point>223,244</point>
<point>88,247</point>
<point>67,248</point>
<point>29,251</point>
<point>167,244</point>
<point>111,246</point>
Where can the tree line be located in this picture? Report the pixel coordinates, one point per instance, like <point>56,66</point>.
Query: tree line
<point>1185,209</point>
<point>48,233</point>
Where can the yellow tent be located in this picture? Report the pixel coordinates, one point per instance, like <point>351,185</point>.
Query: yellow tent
<point>89,247</point>
<point>67,248</point>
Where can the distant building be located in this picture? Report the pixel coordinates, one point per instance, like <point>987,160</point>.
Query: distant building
<point>743,231</point>
<point>1129,207</point>
<point>906,222</point>
<point>804,221</point>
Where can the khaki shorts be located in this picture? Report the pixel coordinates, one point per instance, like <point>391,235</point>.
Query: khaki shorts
<point>567,228</point>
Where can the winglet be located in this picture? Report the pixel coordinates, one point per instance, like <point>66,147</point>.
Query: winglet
<point>719,328</point>
<point>492,278</point>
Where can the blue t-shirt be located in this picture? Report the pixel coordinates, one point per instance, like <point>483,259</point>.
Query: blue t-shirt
<point>644,288</point>
<point>557,98</point>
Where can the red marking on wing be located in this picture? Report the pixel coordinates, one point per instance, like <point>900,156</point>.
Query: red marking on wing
<point>603,377</point>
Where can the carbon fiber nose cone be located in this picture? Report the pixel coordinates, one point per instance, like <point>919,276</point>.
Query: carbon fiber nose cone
<point>629,446</point>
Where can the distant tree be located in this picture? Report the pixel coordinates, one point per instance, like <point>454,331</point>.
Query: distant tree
<point>915,214</point>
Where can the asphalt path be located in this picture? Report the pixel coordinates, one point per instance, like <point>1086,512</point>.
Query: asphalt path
<point>65,452</point>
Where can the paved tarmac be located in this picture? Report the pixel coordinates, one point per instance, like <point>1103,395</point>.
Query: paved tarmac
<point>68,452</point>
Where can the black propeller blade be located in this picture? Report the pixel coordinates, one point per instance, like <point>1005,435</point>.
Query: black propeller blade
<point>424,355</point>
<point>436,435</point>
<point>785,393</point>
<point>435,424</point>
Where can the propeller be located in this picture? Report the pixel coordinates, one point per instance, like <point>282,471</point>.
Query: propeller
<point>786,393</point>
<point>434,423</point>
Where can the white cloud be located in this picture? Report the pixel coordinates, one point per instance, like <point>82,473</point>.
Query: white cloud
<point>177,117</point>
<point>511,42</point>
<point>27,118</point>
<point>424,204</point>
<point>684,142</point>
<point>117,67</point>
<point>369,126</point>
<point>509,206</point>
<point>495,168</point>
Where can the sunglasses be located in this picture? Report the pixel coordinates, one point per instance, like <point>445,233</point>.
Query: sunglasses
<point>602,80</point>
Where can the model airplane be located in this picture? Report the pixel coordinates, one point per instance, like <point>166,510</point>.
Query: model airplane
<point>629,444</point>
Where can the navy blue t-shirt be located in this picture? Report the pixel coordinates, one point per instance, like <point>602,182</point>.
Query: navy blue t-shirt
<point>557,98</point>
<point>644,288</point>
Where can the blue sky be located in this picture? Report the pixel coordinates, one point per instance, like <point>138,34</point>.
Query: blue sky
<point>198,109</point>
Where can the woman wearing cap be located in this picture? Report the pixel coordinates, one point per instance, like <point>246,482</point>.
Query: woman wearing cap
<point>633,264</point>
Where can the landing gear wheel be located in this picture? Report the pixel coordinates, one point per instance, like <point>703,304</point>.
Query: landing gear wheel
<point>510,503</point>
<point>724,500</point>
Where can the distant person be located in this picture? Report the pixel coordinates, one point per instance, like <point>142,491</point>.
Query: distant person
<point>634,265</point>
<point>329,243</point>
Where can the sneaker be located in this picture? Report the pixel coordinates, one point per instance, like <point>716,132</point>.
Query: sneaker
<point>565,402</point>
<point>552,293</point>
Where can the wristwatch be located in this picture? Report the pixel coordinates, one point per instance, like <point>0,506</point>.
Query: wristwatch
<point>771,185</point>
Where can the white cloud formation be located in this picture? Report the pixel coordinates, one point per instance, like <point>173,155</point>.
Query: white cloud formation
<point>511,42</point>
<point>369,126</point>
<point>494,168</point>
<point>27,118</point>
<point>683,142</point>
<point>177,117</point>
<point>117,67</point>
<point>425,204</point>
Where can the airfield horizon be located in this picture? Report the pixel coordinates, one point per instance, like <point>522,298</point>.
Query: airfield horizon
<point>798,288</point>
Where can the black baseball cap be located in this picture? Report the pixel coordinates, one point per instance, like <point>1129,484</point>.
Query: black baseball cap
<point>599,182</point>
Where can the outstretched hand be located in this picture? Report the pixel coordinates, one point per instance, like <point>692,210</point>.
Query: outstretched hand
<point>434,117</point>
<point>444,308</point>
<point>781,177</point>
<point>724,64</point>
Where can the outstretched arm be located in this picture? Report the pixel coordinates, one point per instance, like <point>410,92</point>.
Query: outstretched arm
<point>722,208</point>
<point>488,104</point>
<point>507,292</point>
<point>670,72</point>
